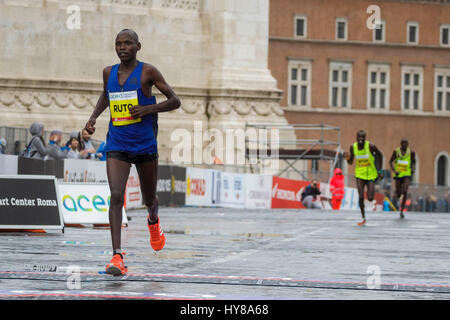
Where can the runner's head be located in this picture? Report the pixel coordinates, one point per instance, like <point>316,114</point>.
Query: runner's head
<point>127,45</point>
<point>404,143</point>
<point>361,137</point>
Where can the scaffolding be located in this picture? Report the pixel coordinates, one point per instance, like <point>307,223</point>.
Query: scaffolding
<point>293,150</point>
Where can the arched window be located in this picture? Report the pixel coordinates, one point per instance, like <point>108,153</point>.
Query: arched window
<point>441,169</point>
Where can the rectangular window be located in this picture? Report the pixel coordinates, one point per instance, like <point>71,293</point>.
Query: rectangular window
<point>293,94</point>
<point>341,29</point>
<point>379,32</point>
<point>445,35</point>
<point>299,83</point>
<point>378,86</point>
<point>340,84</point>
<point>412,87</point>
<point>442,89</point>
<point>300,26</point>
<point>412,32</point>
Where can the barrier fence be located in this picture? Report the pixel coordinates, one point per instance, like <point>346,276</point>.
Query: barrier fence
<point>188,186</point>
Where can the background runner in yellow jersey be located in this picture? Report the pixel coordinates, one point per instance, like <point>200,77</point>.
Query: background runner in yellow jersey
<point>367,169</point>
<point>403,165</point>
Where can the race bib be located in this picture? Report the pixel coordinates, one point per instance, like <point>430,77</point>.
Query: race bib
<point>119,104</point>
<point>402,165</point>
<point>362,160</point>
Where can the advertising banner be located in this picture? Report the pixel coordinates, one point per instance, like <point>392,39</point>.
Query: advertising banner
<point>29,166</point>
<point>133,197</point>
<point>351,199</point>
<point>178,186</point>
<point>86,203</point>
<point>79,170</point>
<point>9,164</point>
<point>258,191</point>
<point>29,202</point>
<point>232,190</point>
<point>287,193</point>
<point>199,186</point>
<point>164,185</point>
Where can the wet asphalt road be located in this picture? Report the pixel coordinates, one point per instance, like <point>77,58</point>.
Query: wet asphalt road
<point>304,245</point>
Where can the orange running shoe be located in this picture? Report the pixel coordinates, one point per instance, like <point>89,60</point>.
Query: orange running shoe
<point>362,223</point>
<point>116,267</point>
<point>157,237</point>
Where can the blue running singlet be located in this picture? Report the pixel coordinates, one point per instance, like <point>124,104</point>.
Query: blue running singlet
<point>125,134</point>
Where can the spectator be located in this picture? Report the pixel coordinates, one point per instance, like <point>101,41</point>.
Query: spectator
<point>310,197</point>
<point>101,154</point>
<point>38,150</point>
<point>87,148</point>
<point>337,189</point>
<point>76,135</point>
<point>2,146</point>
<point>75,147</point>
<point>441,205</point>
<point>54,149</point>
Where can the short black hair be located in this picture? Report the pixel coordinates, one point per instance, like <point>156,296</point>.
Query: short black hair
<point>132,33</point>
<point>361,132</point>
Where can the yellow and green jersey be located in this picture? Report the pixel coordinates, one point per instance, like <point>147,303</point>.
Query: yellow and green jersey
<point>402,163</point>
<point>365,162</point>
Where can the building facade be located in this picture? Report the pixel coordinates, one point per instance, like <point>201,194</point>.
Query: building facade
<point>381,66</point>
<point>213,53</point>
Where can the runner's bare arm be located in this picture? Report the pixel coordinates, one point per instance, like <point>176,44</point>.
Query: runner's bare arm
<point>378,157</point>
<point>391,162</point>
<point>349,156</point>
<point>102,103</point>
<point>156,78</point>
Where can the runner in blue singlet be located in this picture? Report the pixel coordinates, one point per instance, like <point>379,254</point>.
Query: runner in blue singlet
<point>131,138</point>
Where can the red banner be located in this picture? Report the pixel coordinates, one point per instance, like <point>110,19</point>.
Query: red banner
<point>287,193</point>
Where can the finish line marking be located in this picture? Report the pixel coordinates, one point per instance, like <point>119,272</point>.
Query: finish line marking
<point>225,280</point>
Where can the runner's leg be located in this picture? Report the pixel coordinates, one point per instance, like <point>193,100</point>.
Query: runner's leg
<point>118,172</point>
<point>360,186</point>
<point>148,177</point>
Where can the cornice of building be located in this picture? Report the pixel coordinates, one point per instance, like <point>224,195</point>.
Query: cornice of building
<point>443,2</point>
<point>342,111</point>
<point>360,43</point>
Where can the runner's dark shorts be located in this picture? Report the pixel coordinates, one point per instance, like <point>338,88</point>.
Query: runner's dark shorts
<point>132,158</point>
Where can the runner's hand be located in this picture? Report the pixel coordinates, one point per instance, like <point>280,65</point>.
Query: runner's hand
<point>138,111</point>
<point>346,155</point>
<point>90,126</point>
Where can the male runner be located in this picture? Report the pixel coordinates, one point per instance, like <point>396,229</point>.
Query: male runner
<point>368,159</point>
<point>403,165</point>
<point>131,138</point>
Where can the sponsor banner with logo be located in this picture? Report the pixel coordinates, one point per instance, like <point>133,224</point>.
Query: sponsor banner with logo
<point>351,199</point>
<point>133,197</point>
<point>258,190</point>
<point>79,170</point>
<point>29,202</point>
<point>287,193</point>
<point>86,203</point>
<point>164,185</point>
<point>232,193</point>
<point>31,166</point>
<point>178,189</point>
<point>9,164</point>
<point>199,187</point>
